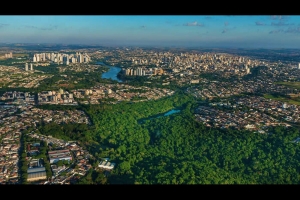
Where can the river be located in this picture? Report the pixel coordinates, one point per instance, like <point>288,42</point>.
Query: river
<point>111,73</point>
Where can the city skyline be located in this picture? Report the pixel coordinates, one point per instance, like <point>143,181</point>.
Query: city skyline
<point>211,31</point>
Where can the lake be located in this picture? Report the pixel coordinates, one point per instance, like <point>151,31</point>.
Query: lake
<point>111,73</point>
<point>170,112</point>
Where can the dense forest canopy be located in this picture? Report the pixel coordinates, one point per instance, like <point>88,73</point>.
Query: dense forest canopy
<point>176,149</point>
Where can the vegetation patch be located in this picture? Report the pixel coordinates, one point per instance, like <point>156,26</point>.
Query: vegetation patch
<point>283,98</point>
<point>294,85</point>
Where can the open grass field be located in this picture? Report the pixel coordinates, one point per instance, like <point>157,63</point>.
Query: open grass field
<point>295,85</point>
<point>295,101</point>
<point>15,55</point>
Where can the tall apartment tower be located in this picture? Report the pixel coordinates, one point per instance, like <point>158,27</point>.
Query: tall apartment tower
<point>26,66</point>
<point>52,57</point>
<point>248,70</point>
<point>66,59</point>
<point>31,66</point>
<point>38,57</point>
<point>8,55</point>
<point>79,58</point>
<point>298,65</point>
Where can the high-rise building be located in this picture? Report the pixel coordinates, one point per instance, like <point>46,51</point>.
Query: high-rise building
<point>139,71</point>
<point>26,66</point>
<point>73,60</point>
<point>127,72</point>
<point>66,60</point>
<point>52,56</point>
<point>31,66</point>
<point>8,55</point>
<point>248,70</point>
<point>79,58</point>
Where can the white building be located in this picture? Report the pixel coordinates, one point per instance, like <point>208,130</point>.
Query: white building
<point>55,156</point>
<point>106,165</point>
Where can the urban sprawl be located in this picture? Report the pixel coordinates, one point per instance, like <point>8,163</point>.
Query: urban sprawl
<point>231,103</point>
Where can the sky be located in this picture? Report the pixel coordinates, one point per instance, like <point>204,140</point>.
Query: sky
<point>213,31</point>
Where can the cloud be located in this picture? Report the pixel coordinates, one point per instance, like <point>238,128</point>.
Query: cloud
<point>193,24</point>
<point>260,23</point>
<point>31,26</point>
<point>275,17</point>
<point>276,31</point>
<point>295,30</point>
<point>3,25</point>
<point>280,23</point>
<point>225,30</point>
<point>279,17</point>
<point>46,29</point>
<point>42,28</point>
<point>281,20</point>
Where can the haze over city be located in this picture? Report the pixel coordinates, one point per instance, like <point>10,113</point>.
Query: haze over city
<point>219,31</point>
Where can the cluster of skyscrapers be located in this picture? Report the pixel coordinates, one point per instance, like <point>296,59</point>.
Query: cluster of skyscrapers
<point>60,58</point>
<point>143,72</point>
<point>53,97</point>
<point>26,67</point>
<point>8,55</point>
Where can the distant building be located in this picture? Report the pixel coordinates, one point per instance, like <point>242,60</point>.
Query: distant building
<point>194,81</point>
<point>66,60</point>
<point>55,156</point>
<point>284,105</point>
<point>106,165</point>
<point>8,55</point>
<point>36,173</point>
<point>158,71</point>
